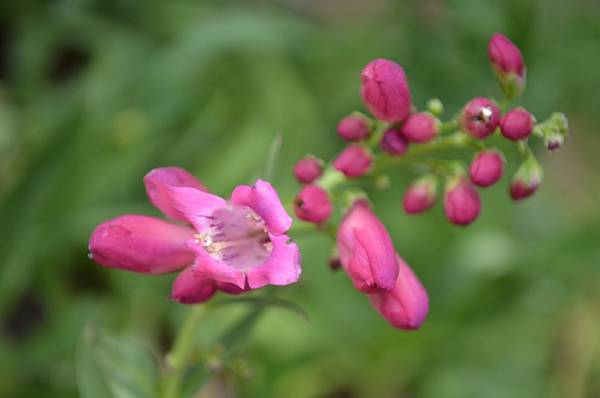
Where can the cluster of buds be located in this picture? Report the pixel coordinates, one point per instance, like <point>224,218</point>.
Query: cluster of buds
<point>398,133</point>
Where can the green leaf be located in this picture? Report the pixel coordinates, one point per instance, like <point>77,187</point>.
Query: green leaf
<point>107,366</point>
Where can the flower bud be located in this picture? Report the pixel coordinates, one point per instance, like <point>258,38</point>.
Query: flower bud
<point>480,117</point>
<point>312,204</point>
<point>487,168</point>
<point>354,127</point>
<point>461,201</point>
<point>420,195</point>
<point>366,250</point>
<point>308,169</point>
<point>384,90</point>
<point>517,124</point>
<point>526,180</point>
<point>435,106</point>
<point>354,161</point>
<point>507,63</point>
<point>393,142</point>
<point>553,131</point>
<point>421,127</point>
<point>407,304</point>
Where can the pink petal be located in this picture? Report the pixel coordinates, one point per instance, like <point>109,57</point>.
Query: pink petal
<point>230,288</point>
<point>281,268</point>
<point>158,179</point>
<point>206,266</point>
<point>407,304</point>
<point>189,288</point>
<point>141,244</point>
<point>195,205</point>
<point>263,199</point>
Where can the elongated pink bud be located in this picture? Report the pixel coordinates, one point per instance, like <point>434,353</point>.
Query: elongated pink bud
<point>526,180</point>
<point>384,90</point>
<point>366,250</point>
<point>507,63</point>
<point>308,169</point>
<point>354,161</point>
<point>313,204</point>
<point>421,127</point>
<point>517,124</point>
<point>480,117</point>
<point>354,127</point>
<point>420,195</point>
<point>487,168</point>
<point>188,288</point>
<point>393,142</point>
<point>405,306</point>
<point>461,201</point>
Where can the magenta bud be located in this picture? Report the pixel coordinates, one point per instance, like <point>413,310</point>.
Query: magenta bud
<point>384,90</point>
<point>405,306</point>
<point>461,201</point>
<point>480,117</point>
<point>517,124</point>
<point>526,180</point>
<point>487,168</point>
<point>308,169</point>
<point>393,142</point>
<point>354,161</point>
<point>313,204</point>
<point>420,195</point>
<point>507,63</point>
<point>354,127</point>
<point>421,127</point>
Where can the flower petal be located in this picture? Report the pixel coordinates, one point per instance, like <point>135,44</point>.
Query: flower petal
<point>158,179</point>
<point>263,199</point>
<point>195,205</point>
<point>206,266</point>
<point>141,244</point>
<point>189,288</point>
<point>281,268</point>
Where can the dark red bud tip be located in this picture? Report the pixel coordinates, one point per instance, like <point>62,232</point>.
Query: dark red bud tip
<point>520,190</point>
<point>384,90</point>
<point>313,204</point>
<point>393,142</point>
<point>487,168</point>
<point>354,161</point>
<point>335,263</point>
<point>517,124</point>
<point>480,117</point>
<point>308,169</point>
<point>354,127</point>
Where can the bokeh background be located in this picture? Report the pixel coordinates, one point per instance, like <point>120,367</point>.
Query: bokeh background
<point>94,93</point>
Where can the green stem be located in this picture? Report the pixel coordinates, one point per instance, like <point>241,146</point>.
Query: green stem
<point>176,360</point>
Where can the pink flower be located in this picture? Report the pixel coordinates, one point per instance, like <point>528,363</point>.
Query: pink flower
<point>526,180</point>
<point>393,142</point>
<point>407,304</point>
<point>231,245</point>
<point>421,127</point>
<point>480,117</point>
<point>461,201</point>
<point>517,124</point>
<point>366,250</point>
<point>354,161</point>
<point>354,127</point>
<point>507,63</point>
<point>308,169</point>
<point>384,90</point>
<point>487,168</point>
<point>420,195</point>
<point>313,204</point>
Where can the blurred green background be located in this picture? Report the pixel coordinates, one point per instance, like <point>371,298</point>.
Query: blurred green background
<point>94,93</point>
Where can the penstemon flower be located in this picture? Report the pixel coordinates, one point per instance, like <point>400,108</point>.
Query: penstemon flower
<point>232,245</point>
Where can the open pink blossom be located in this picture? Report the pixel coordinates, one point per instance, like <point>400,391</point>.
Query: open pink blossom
<point>407,304</point>
<point>366,250</point>
<point>231,246</point>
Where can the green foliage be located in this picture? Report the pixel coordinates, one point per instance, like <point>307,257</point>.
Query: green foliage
<point>94,93</point>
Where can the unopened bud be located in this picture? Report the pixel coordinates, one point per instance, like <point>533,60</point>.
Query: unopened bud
<point>420,195</point>
<point>313,204</point>
<point>421,127</point>
<point>517,124</point>
<point>526,180</point>
<point>461,201</point>
<point>507,63</point>
<point>393,142</point>
<point>480,117</point>
<point>487,168</point>
<point>354,127</point>
<point>308,169</point>
<point>354,161</point>
<point>435,106</point>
